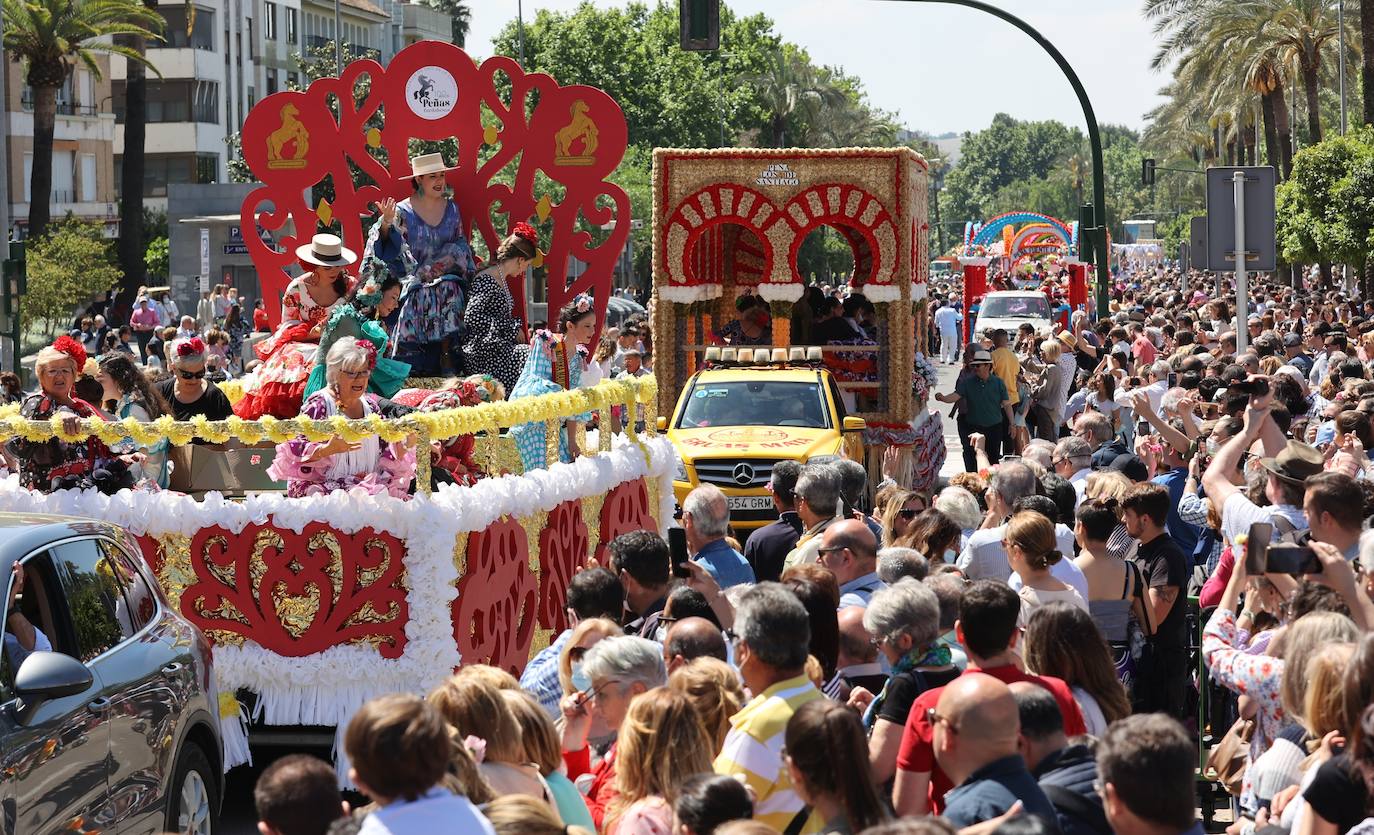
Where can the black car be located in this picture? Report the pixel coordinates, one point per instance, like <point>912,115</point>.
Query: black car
<point>108,719</point>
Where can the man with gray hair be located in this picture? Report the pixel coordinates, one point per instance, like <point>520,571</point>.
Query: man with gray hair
<point>854,491</point>
<point>706,518</point>
<point>897,562</point>
<point>983,556</point>
<point>772,635</point>
<point>818,504</point>
<point>1073,460</point>
<point>949,591</point>
<point>769,545</point>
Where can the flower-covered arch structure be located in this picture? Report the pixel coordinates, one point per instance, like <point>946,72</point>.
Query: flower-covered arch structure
<point>731,221</point>
<point>509,125</point>
<point>991,230</point>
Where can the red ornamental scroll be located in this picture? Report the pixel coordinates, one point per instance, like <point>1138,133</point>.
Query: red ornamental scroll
<point>626,509</point>
<point>299,594</point>
<point>575,136</point>
<point>562,553</point>
<point>493,615</point>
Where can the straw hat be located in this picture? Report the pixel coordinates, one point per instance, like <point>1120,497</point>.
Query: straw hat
<point>326,251</point>
<point>427,164</point>
<point>1069,339</point>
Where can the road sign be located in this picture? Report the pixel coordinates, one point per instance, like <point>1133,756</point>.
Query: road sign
<point>1259,244</point>
<point>1197,242</point>
<point>204,260</point>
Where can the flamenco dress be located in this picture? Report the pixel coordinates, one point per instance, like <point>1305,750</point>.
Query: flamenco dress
<point>550,367</point>
<point>277,387</point>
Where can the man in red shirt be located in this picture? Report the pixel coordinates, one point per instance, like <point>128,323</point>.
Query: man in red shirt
<point>987,630</point>
<point>1141,346</point>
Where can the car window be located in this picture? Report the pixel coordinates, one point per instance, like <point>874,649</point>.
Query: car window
<point>37,606</point>
<point>755,403</point>
<point>140,604</point>
<point>1011,307</point>
<point>94,599</point>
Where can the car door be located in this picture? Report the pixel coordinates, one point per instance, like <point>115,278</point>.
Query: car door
<point>53,754</point>
<point>149,680</point>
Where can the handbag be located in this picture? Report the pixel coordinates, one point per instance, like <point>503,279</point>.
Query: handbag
<point>1229,757</point>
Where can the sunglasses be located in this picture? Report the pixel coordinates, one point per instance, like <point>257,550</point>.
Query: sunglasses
<point>908,515</point>
<point>191,375</point>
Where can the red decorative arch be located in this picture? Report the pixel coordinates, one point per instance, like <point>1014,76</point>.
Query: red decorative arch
<point>858,215</point>
<point>714,206</point>
<point>575,135</point>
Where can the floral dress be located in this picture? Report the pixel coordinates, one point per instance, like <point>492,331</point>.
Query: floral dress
<point>492,337</point>
<point>278,386</point>
<point>59,465</point>
<point>376,466</point>
<point>154,467</point>
<point>238,331</point>
<point>549,368</point>
<point>433,263</point>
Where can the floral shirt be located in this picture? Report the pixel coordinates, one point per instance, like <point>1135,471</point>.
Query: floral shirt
<point>377,466</point>
<point>54,464</point>
<point>1256,676</point>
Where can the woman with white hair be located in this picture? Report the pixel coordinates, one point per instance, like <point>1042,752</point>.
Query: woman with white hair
<point>56,464</point>
<point>372,464</point>
<point>188,391</point>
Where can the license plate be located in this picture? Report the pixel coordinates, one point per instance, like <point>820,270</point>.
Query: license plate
<point>750,502</point>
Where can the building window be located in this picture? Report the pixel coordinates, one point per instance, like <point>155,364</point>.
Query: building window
<point>271,81</point>
<point>292,35</point>
<point>206,102</point>
<point>269,21</point>
<point>202,34</point>
<point>88,178</point>
<point>173,101</point>
<point>161,170</point>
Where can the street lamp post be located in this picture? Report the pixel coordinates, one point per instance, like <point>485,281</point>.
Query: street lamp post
<point>1098,234</point>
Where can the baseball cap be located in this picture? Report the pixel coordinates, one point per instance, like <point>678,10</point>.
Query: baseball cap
<point>1292,340</point>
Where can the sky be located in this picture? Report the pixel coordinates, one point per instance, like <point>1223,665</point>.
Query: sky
<point>948,68</point>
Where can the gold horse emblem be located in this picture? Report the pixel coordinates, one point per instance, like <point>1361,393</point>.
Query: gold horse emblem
<point>291,132</point>
<point>580,129</point>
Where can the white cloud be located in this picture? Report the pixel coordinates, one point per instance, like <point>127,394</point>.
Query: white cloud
<point>949,68</point>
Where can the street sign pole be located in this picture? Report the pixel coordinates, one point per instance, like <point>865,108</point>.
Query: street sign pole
<point>1242,280</point>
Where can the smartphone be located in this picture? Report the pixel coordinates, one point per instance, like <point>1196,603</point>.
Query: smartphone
<point>1142,427</point>
<point>1173,379</point>
<point>1192,449</point>
<point>1256,548</point>
<point>1254,388</point>
<point>1292,559</point>
<point>677,552</point>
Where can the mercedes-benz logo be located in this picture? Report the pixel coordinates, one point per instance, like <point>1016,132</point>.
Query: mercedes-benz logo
<point>744,474</point>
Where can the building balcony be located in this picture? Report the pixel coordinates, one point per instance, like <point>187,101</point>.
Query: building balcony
<point>64,108</point>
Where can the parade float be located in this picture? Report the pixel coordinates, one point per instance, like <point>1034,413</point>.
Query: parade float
<point>731,221</point>
<point>315,605</point>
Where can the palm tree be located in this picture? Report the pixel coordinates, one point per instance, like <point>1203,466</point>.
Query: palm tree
<point>1303,31</point>
<point>48,36</point>
<point>133,162</point>
<point>792,87</point>
<point>1367,57</point>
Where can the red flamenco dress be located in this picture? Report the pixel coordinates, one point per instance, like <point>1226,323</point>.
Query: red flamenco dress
<point>277,387</point>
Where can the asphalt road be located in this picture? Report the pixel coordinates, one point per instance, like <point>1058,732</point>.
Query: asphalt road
<point>954,461</point>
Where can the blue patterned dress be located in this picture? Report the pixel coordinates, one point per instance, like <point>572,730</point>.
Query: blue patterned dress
<point>538,377</point>
<point>433,262</point>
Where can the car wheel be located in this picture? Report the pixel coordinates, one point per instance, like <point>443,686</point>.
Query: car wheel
<point>191,800</point>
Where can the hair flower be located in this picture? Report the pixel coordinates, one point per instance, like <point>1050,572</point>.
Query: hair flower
<point>190,347</point>
<point>583,302</point>
<point>370,350</point>
<point>73,349</point>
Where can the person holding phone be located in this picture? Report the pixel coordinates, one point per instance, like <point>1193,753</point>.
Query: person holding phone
<point>22,638</point>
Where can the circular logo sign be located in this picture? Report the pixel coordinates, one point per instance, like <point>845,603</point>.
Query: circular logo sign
<point>752,434</point>
<point>431,92</point>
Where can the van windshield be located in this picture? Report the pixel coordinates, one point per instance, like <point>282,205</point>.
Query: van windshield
<point>755,403</point>
<point>1016,307</point>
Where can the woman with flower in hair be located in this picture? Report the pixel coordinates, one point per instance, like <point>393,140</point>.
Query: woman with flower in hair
<point>375,296</point>
<point>493,339</point>
<point>56,464</point>
<point>554,364</point>
<point>375,465</point>
<point>452,461</point>
<point>278,386</point>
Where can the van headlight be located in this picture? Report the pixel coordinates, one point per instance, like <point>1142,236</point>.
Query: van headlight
<point>681,473</point>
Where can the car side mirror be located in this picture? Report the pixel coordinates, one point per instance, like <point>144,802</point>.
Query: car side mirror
<point>50,675</point>
<point>661,423</point>
<point>855,424</point>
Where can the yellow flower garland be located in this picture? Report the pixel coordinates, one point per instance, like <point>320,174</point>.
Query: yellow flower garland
<point>449,423</point>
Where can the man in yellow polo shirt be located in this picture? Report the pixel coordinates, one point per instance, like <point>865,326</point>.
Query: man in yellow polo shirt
<point>1007,368</point>
<point>772,633</point>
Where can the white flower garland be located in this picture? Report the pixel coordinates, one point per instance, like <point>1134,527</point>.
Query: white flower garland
<point>686,294</point>
<point>881,293</point>
<point>327,687</point>
<point>780,292</point>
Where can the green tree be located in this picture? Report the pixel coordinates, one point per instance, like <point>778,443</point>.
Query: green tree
<point>48,36</point>
<point>1325,211</point>
<point>1008,153</point>
<point>156,256</point>
<point>459,13</point>
<point>67,267</point>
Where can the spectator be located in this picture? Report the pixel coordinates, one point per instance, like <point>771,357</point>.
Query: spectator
<point>688,639</point>
<point>187,391</point>
<point>594,593</point>
<point>1334,507</point>
<point>1072,459</point>
<point>987,629</point>
<point>897,516</point>
<point>987,404</point>
<point>473,706</point>
<point>540,744</point>
<point>616,670</point>
<point>399,749</point>
<point>857,664</point>
<point>984,556</point>
<point>976,731</point>
<point>585,636</point>
<point>707,801</point>
<point>897,562</point>
<point>521,815</point>
<point>298,795</point>
<point>144,321</point>
<point>1067,773</point>
<point>768,546</point>
<point>661,743</point>
<point>1062,641</point>
<point>854,491</point>
<point>1145,766</point>
<point>261,324</point>
<point>1029,541</point>
<point>949,591</point>
<point>818,504</point>
<point>828,764</point>
<point>713,688</point>
<point>850,550</point>
<point>1095,429</point>
<point>1162,674</point>
<point>815,587</point>
<point>640,560</point>
<point>706,518</point>
<point>771,648</point>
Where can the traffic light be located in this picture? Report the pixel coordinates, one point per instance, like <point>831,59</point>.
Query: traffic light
<point>1147,172</point>
<point>699,22</point>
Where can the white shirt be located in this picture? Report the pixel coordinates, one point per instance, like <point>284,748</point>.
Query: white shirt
<point>983,558</point>
<point>1239,513</point>
<point>1154,391</point>
<point>947,319</point>
<point>1079,480</point>
<point>438,811</point>
<point>1066,570</point>
<point>15,652</point>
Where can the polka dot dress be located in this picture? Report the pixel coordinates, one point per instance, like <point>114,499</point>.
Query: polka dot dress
<point>492,341</point>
